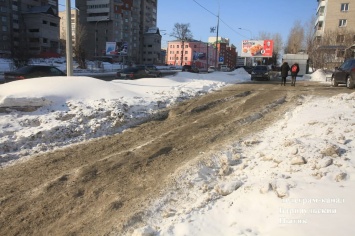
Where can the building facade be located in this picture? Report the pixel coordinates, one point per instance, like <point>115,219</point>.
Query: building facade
<point>192,52</point>
<point>201,54</point>
<point>152,47</point>
<point>28,27</point>
<point>74,22</point>
<point>121,21</point>
<point>335,15</point>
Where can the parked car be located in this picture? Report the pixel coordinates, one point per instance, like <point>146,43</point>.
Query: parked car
<point>211,69</point>
<point>260,72</point>
<point>248,69</point>
<point>32,71</point>
<point>153,70</point>
<point>345,74</point>
<point>134,73</point>
<point>225,68</point>
<point>190,68</point>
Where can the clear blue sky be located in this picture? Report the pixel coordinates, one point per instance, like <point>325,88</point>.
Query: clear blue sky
<point>254,16</point>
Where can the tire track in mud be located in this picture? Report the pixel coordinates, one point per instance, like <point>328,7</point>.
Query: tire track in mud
<point>102,186</point>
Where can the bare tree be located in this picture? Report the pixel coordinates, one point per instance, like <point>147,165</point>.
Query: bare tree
<point>182,31</point>
<point>309,34</point>
<point>277,47</point>
<point>79,47</point>
<point>295,38</point>
<point>331,49</point>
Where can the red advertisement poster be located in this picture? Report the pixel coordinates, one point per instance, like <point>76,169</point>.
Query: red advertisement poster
<point>257,48</point>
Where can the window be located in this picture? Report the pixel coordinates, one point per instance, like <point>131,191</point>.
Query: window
<point>344,7</point>
<point>34,40</point>
<point>342,23</point>
<point>321,11</point>
<point>320,25</point>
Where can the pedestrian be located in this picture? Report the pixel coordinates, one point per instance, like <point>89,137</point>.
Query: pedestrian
<point>284,72</point>
<point>294,71</point>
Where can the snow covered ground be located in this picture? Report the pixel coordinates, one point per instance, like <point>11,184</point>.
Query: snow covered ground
<point>298,182</point>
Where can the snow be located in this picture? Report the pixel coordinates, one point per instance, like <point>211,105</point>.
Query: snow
<point>298,182</point>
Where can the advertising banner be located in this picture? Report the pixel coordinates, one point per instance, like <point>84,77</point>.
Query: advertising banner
<point>111,48</point>
<point>257,48</point>
<point>116,48</point>
<point>199,56</point>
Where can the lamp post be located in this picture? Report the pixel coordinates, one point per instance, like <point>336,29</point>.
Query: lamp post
<point>69,43</point>
<point>96,34</point>
<point>216,62</point>
<point>251,35</point>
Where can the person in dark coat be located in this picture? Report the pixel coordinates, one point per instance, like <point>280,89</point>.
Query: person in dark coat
<point>284,72</point>
<point>295,68</point>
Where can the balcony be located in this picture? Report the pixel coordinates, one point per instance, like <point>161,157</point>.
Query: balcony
<point>97,18</point>
<point>320,18</point>
<point>321,4</point>
<point>98,10</point>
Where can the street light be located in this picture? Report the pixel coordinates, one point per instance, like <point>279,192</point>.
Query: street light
<point>251,35</point>
<point>216,62</point>
<point>96,34</point>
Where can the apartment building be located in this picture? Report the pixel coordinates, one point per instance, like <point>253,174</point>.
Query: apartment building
<point>335,30</point>
<point>28,27</point>
<point>336,15</point>
<point>152,47</point>
<point>190,52</point>
<point>123,22</point>
<point>201,54</point>
<point>74,18</point>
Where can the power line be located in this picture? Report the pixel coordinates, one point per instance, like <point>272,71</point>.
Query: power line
<point>219,18</point>
<point>205,8</point>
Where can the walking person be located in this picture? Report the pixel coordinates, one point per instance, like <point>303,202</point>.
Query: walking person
<point>294,71</point>
<point>284,72</point>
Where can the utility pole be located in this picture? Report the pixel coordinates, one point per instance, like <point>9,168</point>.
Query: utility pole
<point>217,38</point>
<point>69,43</point>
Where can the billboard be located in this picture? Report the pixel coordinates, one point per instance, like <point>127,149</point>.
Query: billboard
<point>199,56</point>
<point>257,48</point>
<point>116,48</point>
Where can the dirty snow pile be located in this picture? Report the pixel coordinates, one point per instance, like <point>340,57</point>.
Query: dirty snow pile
<point>42,114</point>
<point>297,177</point>
<point>294,178</point>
